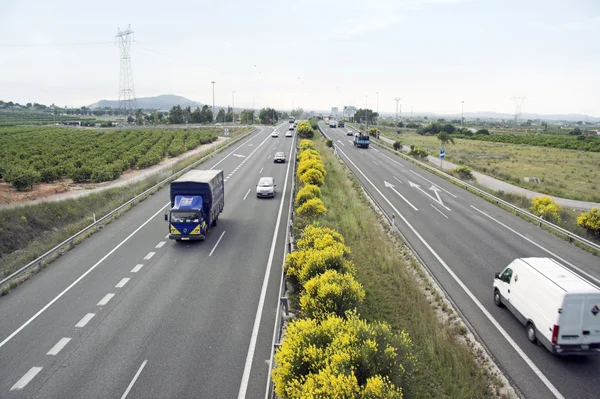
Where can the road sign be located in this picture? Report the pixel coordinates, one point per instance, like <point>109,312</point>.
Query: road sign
<point>442,153</point>
<point>226,131</point>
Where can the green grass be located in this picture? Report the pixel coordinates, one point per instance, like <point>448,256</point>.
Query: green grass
<point>448,368</point>
<point>563,173</point>
<point>29,231</point>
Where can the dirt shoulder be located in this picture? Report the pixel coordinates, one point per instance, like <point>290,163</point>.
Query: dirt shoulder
<point>66,188</point>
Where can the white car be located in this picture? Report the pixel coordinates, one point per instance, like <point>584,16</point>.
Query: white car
<point>289,134</point>
<point>265,187</point>
<point>275,134</point>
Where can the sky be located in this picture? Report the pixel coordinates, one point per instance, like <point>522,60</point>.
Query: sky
<point>314,54</point>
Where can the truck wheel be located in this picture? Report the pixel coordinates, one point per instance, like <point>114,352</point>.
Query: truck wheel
<point>531,333</point>
<point>214,222</point>
<point>497,298</point>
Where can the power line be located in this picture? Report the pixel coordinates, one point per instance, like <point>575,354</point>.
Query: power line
<point>28,45</point>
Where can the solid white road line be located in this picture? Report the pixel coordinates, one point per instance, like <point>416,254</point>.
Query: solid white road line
<point>261,169</point>
<point>439,211</point>
<point>487,314</point>
<point>85,320</point>
<point>149,256</point>
<point>135,377</point>
<point>263,293</point>
<point>122,283</point>
<point>269,157</point>
<point>160,244</point>
<point>42,310</point>
<point>398,180</point>
<point>215,247</point>
<point>391,187</point>
<point>426,179</point>
<point>63,292</point>
<point>58,347</point>
<point>137,268</point>
<point>247,194</point>
<point>105,300</point>
<point>541,247</point>
<point>375,162</point>
<point>26,378</point>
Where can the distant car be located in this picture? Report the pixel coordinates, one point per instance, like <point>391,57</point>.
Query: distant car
<point>349,133</point>
<point>275,134</point>
<point>341,123</point>
<point>291,127</point>
<point>265,187</point>
<point>289,134</point>
<point>279,157</point>
<point>332,124</point>
<point>218,124</point>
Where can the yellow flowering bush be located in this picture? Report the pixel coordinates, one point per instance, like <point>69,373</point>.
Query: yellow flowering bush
<point>308,164</point>
<point>545,208</point>
<point>302,265</point>
<point>330,292</point>
<point>591,221</point>
<point>316,237</point>
<point>323,356</point>
<point>312,176</point>
<point>307,192</point>
<point>306,144</point>
<point>312,208</point>
<point>309,154</point>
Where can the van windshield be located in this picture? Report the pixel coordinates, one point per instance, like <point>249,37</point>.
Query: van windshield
<point>184,217</point>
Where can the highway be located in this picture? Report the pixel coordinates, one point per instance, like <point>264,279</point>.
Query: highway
<point>130,313</point>
<point>463,240</point>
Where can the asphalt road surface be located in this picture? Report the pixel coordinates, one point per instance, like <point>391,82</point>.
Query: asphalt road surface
<point>130,313</point>
<point>463,240</point>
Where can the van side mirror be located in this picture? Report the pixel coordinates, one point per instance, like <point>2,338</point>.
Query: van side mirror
<point>166,217</point>
<point>497,275</point>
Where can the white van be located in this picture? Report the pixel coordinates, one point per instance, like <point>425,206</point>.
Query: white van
<point>559,309</point>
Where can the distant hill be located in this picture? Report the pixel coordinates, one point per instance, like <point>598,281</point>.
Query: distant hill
<point>162,102</point>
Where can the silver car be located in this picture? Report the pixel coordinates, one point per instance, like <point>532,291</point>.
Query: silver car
<point>265,187</point>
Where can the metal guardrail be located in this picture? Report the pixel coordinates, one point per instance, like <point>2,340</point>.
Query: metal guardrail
<point>570,236</point>
<point>70,240</point>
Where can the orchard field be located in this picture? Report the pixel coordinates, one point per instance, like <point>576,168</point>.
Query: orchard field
<point>31,155</point>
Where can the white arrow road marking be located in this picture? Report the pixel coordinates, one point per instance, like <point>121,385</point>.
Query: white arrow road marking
<point>390,185</point>
<point>433,206</point>
<point>427,194</point>
<point>239,155</point>
<point>437,193</point>
<point>412,171</point>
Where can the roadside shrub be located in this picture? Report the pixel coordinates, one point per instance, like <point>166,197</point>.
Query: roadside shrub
<point>483,132</point>
<point>312,208</point>
<point>330,292</point>
<point>373,132</point>
<point>397,145</point>
<point>590,221</point>
<point>418,153</point>
<point>343,358</point>
<point>302,265</point>
<point>545,208</point>
<point>49,174</point>
<point>306,144</point>
<point>305,131</point>
<point>309,154</point>
<point>312,176</point>
<point>329,143</point>
<point>314,123</point>
<point>22,178</point>
<point>463,171</point>
<point>102,174</point>
<point>316,237</point>
<point>307,192</point>
<point>308,164</point>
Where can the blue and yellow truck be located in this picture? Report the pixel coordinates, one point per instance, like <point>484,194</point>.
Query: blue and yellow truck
<point>362,140</point>
<point>197,199</point>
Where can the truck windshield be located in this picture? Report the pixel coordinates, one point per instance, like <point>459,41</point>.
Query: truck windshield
<point>184,217</point>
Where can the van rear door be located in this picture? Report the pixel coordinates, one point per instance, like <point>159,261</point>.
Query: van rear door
<point>571,320</point>
<point>591,319</point>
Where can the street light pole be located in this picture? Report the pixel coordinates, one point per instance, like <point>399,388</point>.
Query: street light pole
<point>366,116</point>
<point>462,114</point>
<point>213,109</point>
<point>232,107</point>
<point>377,125</point>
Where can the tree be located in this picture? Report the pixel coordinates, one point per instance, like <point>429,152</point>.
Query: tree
<point>297,113</point>
<point>196,116</point>
<point>155,118</point>
<point>130,119</point>
<point>207,114</point>
<point>397,145</point>
<point>449,128</point>
<point>445,138</point>
<point>268,116</point>
<point>576,132</point>
<point>176,115</point>
<point>370,115</point>
<point>483,132</point>
<point>247,116</point>
<point>229,115</point>
<point>221,116</point>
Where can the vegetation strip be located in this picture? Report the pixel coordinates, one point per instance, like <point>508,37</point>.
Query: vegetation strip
<point>28,232</point>
<point>364,328</point>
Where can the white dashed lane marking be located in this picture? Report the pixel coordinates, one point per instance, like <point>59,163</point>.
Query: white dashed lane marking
<point>137,268</point>
<point>22,383</point>
<point>59,346</point>
<point>105,300</point>
<point>86,319</point>
<point>122,283</point>
<point>149,256</point>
